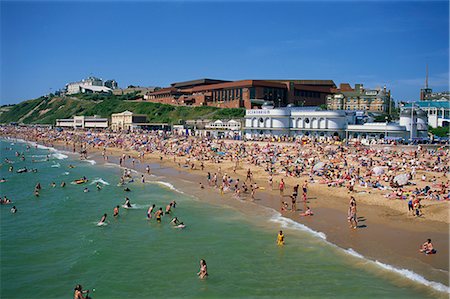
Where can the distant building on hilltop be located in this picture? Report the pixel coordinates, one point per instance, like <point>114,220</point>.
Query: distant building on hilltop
<point>111,84</point>
<point>91,85</point>
<point>347,98</point>
<point>140,91</point>
<point>243,93</point>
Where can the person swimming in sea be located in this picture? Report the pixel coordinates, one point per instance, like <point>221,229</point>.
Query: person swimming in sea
<point>63,184</point>
<point>116,211</point>
<point>177,222</point>
<point>78,292</point>
<point>103,219</point>
<point>280,238</point>
<point>14,210</point>
<point>159,214</point>
<point>86,190</point>
<point>203,273</point>
<point>97,185</point>
<point>149,211</point>
<point>127,202</point>
<point>168,208</point>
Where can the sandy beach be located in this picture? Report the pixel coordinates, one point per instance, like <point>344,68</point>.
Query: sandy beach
<point>385,233</point>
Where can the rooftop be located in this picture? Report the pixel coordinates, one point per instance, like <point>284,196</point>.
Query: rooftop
<point>191,83</point>
<point>431,104</point>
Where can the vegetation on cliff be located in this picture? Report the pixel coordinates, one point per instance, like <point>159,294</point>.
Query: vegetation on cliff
<point>45,110</point>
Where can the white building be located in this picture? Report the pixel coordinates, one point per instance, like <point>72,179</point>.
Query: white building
<point>309,121</point>
<point>223,128</point>
<point>437,112</point>
<point>377,131</point>
<point>91,85</point>
<point>83,122</point>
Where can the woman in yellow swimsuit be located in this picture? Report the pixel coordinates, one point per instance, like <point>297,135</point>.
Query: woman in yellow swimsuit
<point>280,238</point>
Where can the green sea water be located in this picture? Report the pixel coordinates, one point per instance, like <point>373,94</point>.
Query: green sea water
<point>53,243</point>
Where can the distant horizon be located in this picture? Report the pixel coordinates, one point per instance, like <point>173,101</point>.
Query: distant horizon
<point>46,45</point>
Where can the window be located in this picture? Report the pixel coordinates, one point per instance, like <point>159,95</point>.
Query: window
<point>252,92</point>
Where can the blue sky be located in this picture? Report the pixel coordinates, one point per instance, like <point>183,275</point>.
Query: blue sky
<point>44,45</point>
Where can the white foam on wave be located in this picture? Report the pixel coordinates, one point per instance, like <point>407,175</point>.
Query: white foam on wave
<point>405,273</point>
<point>57,165</point>
<point>40,146</point>
<point>415,277</point>
<point>92,162</point>
<point>352,252</point>
<point>99,180</point>
<point>60,156</point>
<point>135,207</point>
<point>166,184</point>
<point>65,173</point>
<point>289,223</point>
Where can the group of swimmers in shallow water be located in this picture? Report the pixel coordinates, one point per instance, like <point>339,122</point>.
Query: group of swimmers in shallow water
<point>152,212</point>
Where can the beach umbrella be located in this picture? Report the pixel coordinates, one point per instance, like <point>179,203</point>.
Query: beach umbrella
<point>401,179</point>
<point>319,166</point>
<point>378,170</point>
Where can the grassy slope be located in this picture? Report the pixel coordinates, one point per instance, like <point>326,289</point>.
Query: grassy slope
<point>51,109</point>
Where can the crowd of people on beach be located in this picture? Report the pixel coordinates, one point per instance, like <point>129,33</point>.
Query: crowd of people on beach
<point>410,174</point>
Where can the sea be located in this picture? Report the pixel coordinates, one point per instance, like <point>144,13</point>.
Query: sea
<point>54,241</point>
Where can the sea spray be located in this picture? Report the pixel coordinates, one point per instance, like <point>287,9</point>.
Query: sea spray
<point>99,180</point>
<point>60,156</point>
<point>167,185</point>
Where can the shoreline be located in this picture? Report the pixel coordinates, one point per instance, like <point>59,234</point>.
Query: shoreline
<point>380,241</point>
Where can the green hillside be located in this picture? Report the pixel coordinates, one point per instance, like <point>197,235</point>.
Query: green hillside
<point>45,110</point>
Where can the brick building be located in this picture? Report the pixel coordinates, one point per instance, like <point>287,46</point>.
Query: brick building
<point>244,93</point>
<point>359,98</point>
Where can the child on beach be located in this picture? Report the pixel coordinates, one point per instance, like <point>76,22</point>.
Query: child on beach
<point>427,247</point>
<point>308,212</point>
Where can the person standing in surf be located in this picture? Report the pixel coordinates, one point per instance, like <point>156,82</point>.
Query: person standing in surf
<point>280,238</point>
<point>149,211</point>
<point>203,273</point>
<point>158,215</point>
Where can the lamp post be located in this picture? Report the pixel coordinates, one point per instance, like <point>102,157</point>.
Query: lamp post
<point>412,121</point>
<point>385,129</point>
